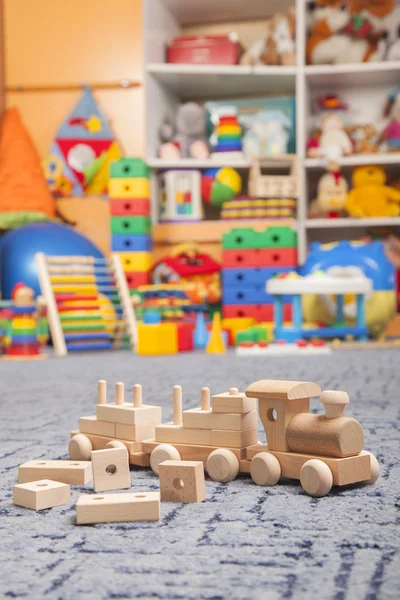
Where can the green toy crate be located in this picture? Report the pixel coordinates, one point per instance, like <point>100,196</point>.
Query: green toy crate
<point>129,167</point>
<point>241,238</point>
<point>279,237</point>
<point>253,334</point>
<point>131,225</point>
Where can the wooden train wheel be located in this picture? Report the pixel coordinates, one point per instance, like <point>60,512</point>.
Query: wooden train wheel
<point>80,447</point>
<point>222,465</point>
<point>161,453</point>
<point>316,478</point>
<point>265,469</point>
<point>375,470</point>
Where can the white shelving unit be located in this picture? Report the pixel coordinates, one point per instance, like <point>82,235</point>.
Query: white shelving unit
<point>363,86</point>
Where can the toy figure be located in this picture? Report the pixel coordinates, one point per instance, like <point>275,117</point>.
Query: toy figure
<point>333,141</point>
<point>391,133</point>
<point>393,35</point>
<point>188,138</point>
<point>331,194</point>
<point>363,137</point>
<point>278,47</point>
<point>370,197</point>
<point>27,330</point>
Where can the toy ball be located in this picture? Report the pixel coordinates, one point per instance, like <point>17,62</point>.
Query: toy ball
<point>19,246</point>
<point>220,185</point>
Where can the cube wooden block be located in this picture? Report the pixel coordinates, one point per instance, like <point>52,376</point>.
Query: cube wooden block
<point>111,469</point>
<point>97,427</point>
<point>235,439</point>
<point>41,494</point>
<point>127,414</point>
<point>171,433</point>
<point>233,403</point>
<point>207,419</point>
<point>136,433</point>
<point>78,472</point>
<point>182,481</point>
<point>118,508</point>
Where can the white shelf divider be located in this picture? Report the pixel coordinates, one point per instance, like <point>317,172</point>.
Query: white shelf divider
<point>349,222</point>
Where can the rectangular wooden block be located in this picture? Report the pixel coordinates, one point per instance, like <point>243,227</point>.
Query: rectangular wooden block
<point>139,459</point>
<point>100,442</point>
<point>229,403</point>
<point>170,433</point>
<point>345,471</point>
<point>118,508</point>
<point>136,433</point>
<point>244,466</point>
<point>41,494</point>
<point>78,472</point>
<point>189,452</point>
<point>236,439</point>
<point>94,425</point>
<point>207,419</point>
<point>111,469</point>
<point>182,481</point>
<point>127,414</point>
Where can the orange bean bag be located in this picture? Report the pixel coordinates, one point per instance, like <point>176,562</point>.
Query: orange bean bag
<point>24,194</point>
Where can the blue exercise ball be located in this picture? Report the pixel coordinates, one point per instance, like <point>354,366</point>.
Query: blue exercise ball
<point>19,246</point>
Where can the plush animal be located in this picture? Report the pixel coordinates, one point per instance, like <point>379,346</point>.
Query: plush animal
<point>186,139</point>
<point>370,197</point>
<point>331,194</point>
<point>334,39</point>
<point>278,47</point>
<point>391,133</point>
<point>363,137</point>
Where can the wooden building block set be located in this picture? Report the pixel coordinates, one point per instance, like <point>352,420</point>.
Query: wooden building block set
<point>320,450</point>
<point>129,192</point>
<point>88,303</point>
<point>251,258</point>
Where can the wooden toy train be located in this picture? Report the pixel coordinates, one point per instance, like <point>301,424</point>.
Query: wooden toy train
<point>319,450</point>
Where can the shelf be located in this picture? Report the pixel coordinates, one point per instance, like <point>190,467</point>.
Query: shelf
<point>391,158</point>
<point>354,75</point>
<point>209,231</point>
<point>348,222</point>
<point>198,11</point>
<point>218,81</point>
<point>193,163</point>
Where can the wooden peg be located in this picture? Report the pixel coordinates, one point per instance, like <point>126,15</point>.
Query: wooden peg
<point>334,403</point>
<point>137,395</point>
<point>119,393</point>
<point>205,398</point>
<point>233,391</point>
<point>177,399</point>
<point>102,392</point>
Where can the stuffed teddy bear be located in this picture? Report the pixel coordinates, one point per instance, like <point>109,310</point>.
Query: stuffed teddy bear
<point>278,47</point>
<point>363,137</point>
<point>370,197</point>
<point>331,194</point>
<point>187,138</point>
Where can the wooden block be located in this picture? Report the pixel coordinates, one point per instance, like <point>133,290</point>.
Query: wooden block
<point>93,425</point>
<point>188,452</point>
<point>127,414</point>
<point>140,459</point>
<point>182,481</point>
<point>111,469</point>
<point>207,419</point>
<point>78,472</point>
<point>317,434</point>
<point>244,466</point>
<point>275,415</point>
<point>178,434</point>
<point>233,402</point>
<point>345,471</point>
<point>41,494</point>
<point>136,433</point>
<point>276,389</point>
<point>221,438</point>
<point>118,508</point>
<point>100,442</point>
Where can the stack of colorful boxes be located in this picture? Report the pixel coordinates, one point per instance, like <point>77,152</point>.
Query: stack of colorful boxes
<point>229,134</point>
<point>249,259</point>
<point>129,191</point>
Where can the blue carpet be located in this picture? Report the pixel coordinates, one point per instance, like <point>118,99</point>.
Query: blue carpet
<point>245,542</point>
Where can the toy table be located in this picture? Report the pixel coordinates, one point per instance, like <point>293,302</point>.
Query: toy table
<point>321,284</point>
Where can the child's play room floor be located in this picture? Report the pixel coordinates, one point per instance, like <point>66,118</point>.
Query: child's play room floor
<point>245,541</point>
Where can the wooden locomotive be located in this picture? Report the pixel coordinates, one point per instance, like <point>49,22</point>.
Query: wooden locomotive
<point>319,450</point>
